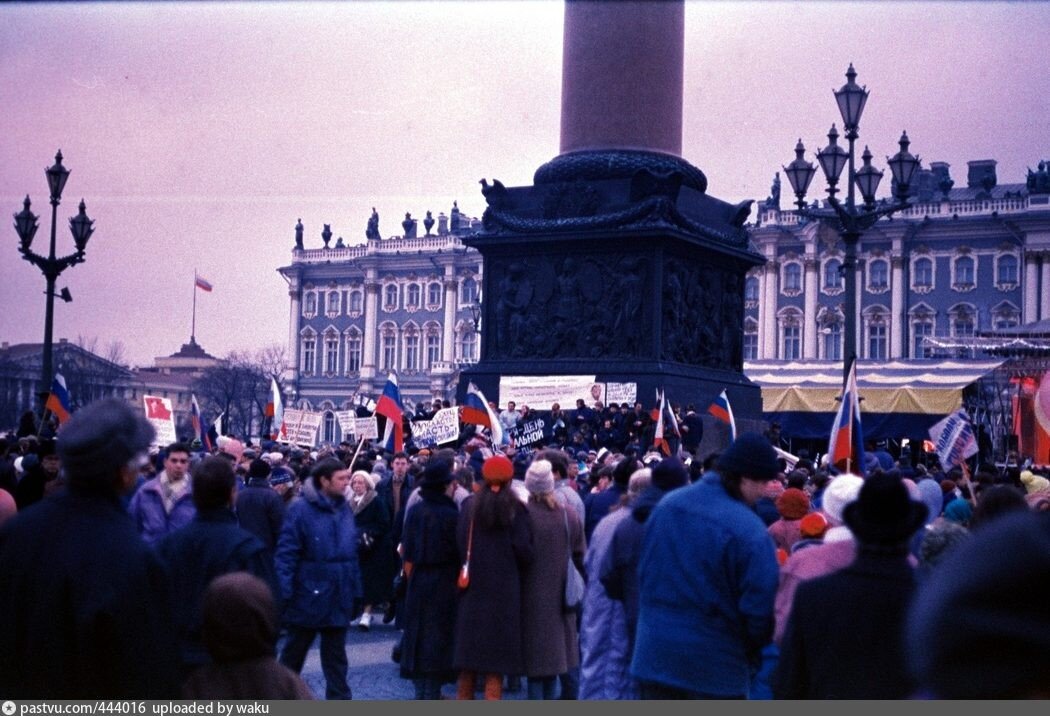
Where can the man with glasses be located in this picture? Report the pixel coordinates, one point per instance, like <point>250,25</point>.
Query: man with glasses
<point>165,503</point>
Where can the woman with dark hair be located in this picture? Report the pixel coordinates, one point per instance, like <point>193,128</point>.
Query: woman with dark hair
<point>431,561</point>
<point>495,537</point>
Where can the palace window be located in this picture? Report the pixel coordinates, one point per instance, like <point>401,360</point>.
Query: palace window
<point>750,339</point>
<point>309,304</point>
<point>964,273</point>
<point>332,304</point>
<point>922,274</point>
<point>1006,271</point>
<point>878,275</point>
<point>792,278</point>
<point>434,294</point>
<point>433,349</point>
<point>331,353</point>
<point>832,274</point>
<point>468,292</point>
<point>921,329</point>
<point>353,352</point>
<point>356,302</point>
<point>412,351</point>
<point>751,289</point>
<point>390,296</point>
<point>412,295</point>
<point>389,351</point>
<point>877,338</point>
<point>309,354</point>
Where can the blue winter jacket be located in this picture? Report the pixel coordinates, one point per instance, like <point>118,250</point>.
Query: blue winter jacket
<point>316,561</point>
<point>707,581</point>
<point>147,510</point>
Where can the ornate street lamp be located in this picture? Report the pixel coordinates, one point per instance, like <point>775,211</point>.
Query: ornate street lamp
<point>26,225</point>
<point>851,219</point>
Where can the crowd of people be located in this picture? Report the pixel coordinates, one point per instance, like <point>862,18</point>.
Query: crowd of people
<point>723,576</point>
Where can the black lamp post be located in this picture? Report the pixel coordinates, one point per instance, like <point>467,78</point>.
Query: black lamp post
<point>475,315</point>
<point>51,266</point>
<point>850,219</point>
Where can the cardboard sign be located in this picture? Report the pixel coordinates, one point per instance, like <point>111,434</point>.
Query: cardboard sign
<point>366,428</point>
<point>620,393</point>
<point>302,426</point>
<point>442,428</point>
<point>161,417</point>
<point>529,432</point>
<point>346,420</point>
<point>540,392</point>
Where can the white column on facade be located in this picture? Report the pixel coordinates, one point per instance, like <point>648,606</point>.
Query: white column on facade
<point>897,307</point>
<point>369,339</point>
<point>295,315</point>
<point>448,335</point>
<point>1044,309</point>
<point>809,325</point>
<point>858,314</point>
<point>760,315</point>
<point>1031,288</point>
<point>768,313</point>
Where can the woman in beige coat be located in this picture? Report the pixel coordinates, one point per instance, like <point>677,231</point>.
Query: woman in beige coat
<point>549,636</point>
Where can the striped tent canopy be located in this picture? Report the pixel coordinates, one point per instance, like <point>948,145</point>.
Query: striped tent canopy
<point>898,398</point>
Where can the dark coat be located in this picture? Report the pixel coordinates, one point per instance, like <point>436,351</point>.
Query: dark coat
<point>845,636</point>
<point>210,545</point>
<point>429,615</point>
<point>317,569</point>
<point>692,431</point>
<point>599,504</point>
<point>385,488</point>
<point>550,639</point>
<point>378,562</point>
<point>618,571</point>
<point>260,510</point>
<point>34,486</point>
<point>488,627</point>
<point>85,605</point>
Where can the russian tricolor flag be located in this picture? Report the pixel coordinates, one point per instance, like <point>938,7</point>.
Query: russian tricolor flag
<point>846,444</point>
<point>195,418</point>
<point>477,411</point>
<point>58,400</point>
<point>721,410</point>
<point>389,406</point>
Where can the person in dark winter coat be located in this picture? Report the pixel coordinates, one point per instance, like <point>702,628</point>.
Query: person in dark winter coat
<point>164,503</point>
<point>431,558</point>
<point>42,479</point>
<point>619,570</point>
<point>600,504</point>
<point>494,528</point>
<point>318,574</point>
<point>551,643</point>
<point>84,600</point>
<point>260,510</point>
<point>240,632</point>
<point>845,636</point>
<point>707,577</point>
<point>209,546</point>
<point>375,546</point>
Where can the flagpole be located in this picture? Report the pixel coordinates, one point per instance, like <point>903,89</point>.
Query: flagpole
<point>193,324</point>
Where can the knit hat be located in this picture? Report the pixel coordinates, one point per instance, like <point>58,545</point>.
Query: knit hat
<point>1033,483</point>
<point>497,470</point>
<point>813,526</point>
<point>793,504</point>
<point>840,492</point>
<point>99,439</point>
<point>958,510</point>
<point>979,628</point>
<point>884,513</point>
<point>258,470</point>
<point>539,478</point>
<point>670,474</point>
<point>931,496</point>
<point>752,456</point>
<point>281,475</point>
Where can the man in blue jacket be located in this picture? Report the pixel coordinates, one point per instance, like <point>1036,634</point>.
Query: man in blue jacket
<point>319,575</point>
<point>707,579</point>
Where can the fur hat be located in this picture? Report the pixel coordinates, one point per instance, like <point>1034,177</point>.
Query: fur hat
<point>840,492</point>
<point>497,470</point>
<point>539,478</point>
<point>101,438</point>
<point>436,475</point>
<point>752,456</point>
<point>793,504</point>
<point>1033,483</point>
<point>258,470</point>
<point>669,474</point>
<point>884,513</point>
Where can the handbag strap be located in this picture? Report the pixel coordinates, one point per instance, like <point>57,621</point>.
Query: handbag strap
<point>568,537</point>
<point>470,537</point>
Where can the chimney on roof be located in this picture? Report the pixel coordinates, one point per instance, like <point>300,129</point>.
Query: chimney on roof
<point>981,174</point>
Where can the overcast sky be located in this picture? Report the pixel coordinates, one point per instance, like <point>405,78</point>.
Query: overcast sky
<point>199,133</point>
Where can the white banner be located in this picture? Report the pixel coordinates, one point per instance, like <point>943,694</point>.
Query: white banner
<point>954,439</point>
<point>366,428</point>
<point>346,420</point>
<point>442,428</point>
<point>161,417</point>
<point>540,392</point>
<point>620,393</point>
<point>302,426</point>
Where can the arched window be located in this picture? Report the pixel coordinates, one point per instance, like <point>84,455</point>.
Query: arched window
<point>830,323</point>
<point>964,320</point>
<point>750,339</point>
<point>964,273</point>
<point>751,289</point>
<point>922,273</point>
<point>310,303</point>
<point>390,295</point>
<point>792,277</point>
<point>877,337</point>
<point>433,347</point>
<point>328,434</point>
<point>468,291</point>
<point>389,352</point>
<point>412,350</point>
<point>434,294</point>
<point>878,275</point>
<point>309,352</point>
<point>791,334</point>
<point>921,329</point>
<point>331,352</point>
<point>353,352</point>
<point>356,302</point>
<point>468,346</point>
<point>832,274</point>
<point>412,295</point>
<point>332,304</point>
<point>1006,270</point>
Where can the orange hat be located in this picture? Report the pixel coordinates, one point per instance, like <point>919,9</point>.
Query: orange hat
<point>497,471</point>
<point>813,525</point>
